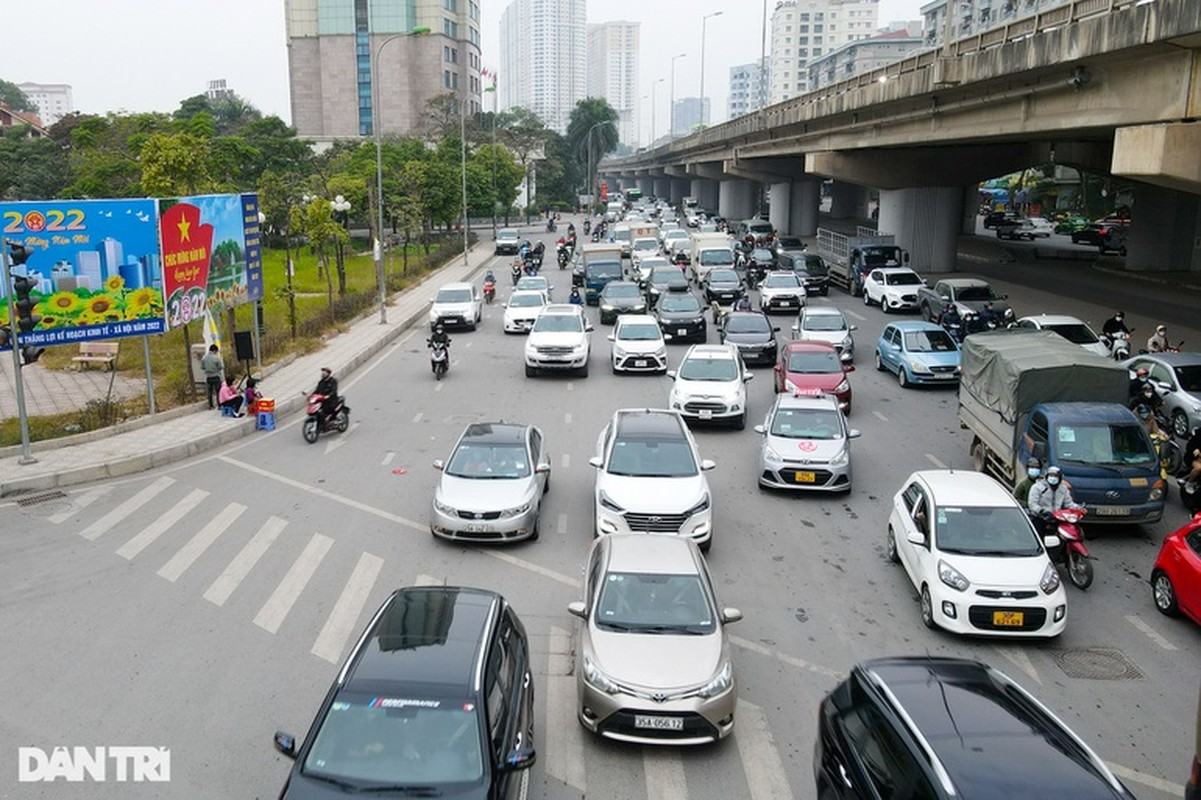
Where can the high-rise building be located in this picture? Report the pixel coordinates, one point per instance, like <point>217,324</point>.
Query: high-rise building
<point>612,70</point>
<point>332,45</point>
<point>748,88</point>
<point>864,55</point>
<point>976,15</point>
<point>802,30</point>
<point>52,99</point>
<point>689,113</point>
<point>543,51</point>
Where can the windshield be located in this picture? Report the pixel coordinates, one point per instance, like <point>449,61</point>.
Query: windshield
<point>647,264</point>
<point>558,323</point>
<point>499,460</point>
<point>604,269</point>
<point>712,258</point>
<point>780,282</point>
<point>903,279</point>
<point>646,244</point>
<point>761,255</point>
<point>806,423</point>
<point>652,458</point>
<point>876,258</point>
<point>929,342</point>
<point>531,282</point>
<point>823,322</point>
<point>645,603</point>
<point>1076,333</point>
<point>759,227</point>
<point>709,369</point>
<point>789,243</point>
<point>621,235</point>
<point>974,293</point>
<point>453,296</point>
<point>666,275</point>
<point>621,290</point>
<point>679,302</point>
<point>639,332</point>
<point>747,323</point>
<point>985,531</point>
<point>723,276</point>
<point>397,741</point>
<point>1115,444</point>
<point>813,363</point>
<point>525,300</point>
<point>507,234</point>
<point>1190,378</point>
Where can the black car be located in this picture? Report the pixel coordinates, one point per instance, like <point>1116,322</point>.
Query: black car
<point>722,286</point>
<point>1103,235</point>
<point>620,297</point>
<point>665,279</point>
<point>436,699</point>
<point>783,243</point>
<point>753,334</point>
<point>931,727</point>
<point>681,316</point>
<point>810,268</point>
<point>995,218</point>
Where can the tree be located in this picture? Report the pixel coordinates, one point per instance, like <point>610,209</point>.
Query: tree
<point>175,164</point>
<point>501,174</point>
<point>592,131</point>
<point>16,99</point>
<point>442,117</point>
<point>104,153</point>
<point>526,135</point>
<point>30,169</point>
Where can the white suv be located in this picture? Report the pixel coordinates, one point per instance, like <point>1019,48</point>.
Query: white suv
<point>710,385</point>
<point>558,341</point>
<point>650,478</point>
<point>638,344</point>
<point>458,304</point>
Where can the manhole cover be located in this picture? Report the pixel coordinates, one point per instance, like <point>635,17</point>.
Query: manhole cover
<point>1096,663</point>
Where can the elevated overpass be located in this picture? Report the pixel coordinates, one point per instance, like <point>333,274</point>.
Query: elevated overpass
<point>1108,86</point>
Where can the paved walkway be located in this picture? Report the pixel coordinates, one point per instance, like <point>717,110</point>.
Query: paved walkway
<point>61,391</point>
<point>171,436</point>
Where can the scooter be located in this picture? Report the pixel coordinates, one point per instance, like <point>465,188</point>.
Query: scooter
<point>516,271</point>
<point>1118,344</point>
<point>439,359</point>
<point>1071,553</point>
<point>563,258</point>
<point>317,423</point>
<point>550,225</point>
<point>489,291</point>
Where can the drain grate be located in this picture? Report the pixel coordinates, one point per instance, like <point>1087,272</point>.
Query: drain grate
<point>38,499</point>
<point>1096,663</point>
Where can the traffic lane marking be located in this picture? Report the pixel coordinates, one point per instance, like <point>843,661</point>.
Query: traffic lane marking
<point>343,619</point>
<point>934,460</point>
<point>237,570</point>
<point>765,775</point>
<point>118,514</point>
<point>275,610</point>
<point>851,313</point>
<point>1150,632</point>
<point>1165,786</point>
<point>879,416</point>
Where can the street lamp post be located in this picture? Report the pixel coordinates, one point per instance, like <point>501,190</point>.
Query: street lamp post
<point>640,107</point>
<point>671,133</point>
<point>654,86</point>
<point>379,172</point>
<point>701,110</point>
<point>463,168</point>
<point>340,209</point>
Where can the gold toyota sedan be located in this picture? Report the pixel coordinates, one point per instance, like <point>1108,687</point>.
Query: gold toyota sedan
<point>653,664</point>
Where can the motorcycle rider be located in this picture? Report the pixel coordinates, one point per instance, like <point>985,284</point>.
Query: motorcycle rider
<point>743,303</point>
<point>1150,424</point>
<point>950,319</point>
<point>327,387</point>
<point>1192,453</point>
<point>1034,470</point>
<point>574,298</point>
<point>972,324</point>
<point>1158,341</point>
<point>587,225</point>
<point>989,317</point>
<point>1115,324</point>
<point>1048,495</point>
<point>516,271</point>
<point>1147,396</point>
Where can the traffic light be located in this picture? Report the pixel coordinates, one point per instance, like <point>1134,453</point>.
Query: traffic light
<point>26,319</point>
<point>31,354</point>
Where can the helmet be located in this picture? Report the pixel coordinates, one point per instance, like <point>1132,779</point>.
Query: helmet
<point>438,328</point>
<point>1142,411</point>
<point>1054,471</point>
<point>1161,328</point>
<point>1142,372</point>
<point>1033,463</point>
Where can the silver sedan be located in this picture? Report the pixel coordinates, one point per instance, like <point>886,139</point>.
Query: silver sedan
<point>806,445</point>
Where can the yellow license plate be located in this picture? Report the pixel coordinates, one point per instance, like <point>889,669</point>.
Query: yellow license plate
<point>1138,481</point>
<point>804,477</point>
<point>1008,619</point>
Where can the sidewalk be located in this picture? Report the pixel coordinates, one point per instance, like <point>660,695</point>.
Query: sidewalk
<point>172,436</point>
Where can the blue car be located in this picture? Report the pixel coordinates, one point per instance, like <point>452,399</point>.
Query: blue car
<point>918,352</point>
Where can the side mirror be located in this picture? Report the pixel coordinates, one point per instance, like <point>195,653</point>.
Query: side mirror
<point>577,609</point>
<point>1051,541</point>
<point>612,337</point>
<point>439,464</point>
<point>795,329</point>
<point>588,327</point>
<point>729,615</point>
<point>775,330</point>
<point>667,338</point>
<point>761,430</point>
<point>748,377</point>
<point>671,373</point>
<point>918,538</point>
<point>542,468</point>
<point>853,433</point>
<point>522,758</point>
<point>848,367</point>
<point>596,461</point>
<point>707,465</point>
<point>285,743</point>
<point>853,328</point>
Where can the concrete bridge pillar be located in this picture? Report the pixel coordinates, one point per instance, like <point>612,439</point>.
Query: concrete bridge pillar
<point>779,200</point>
<point>926,222</point>
<point>1165,236</point>
<point>662,187</point>
<point>848,201</point>
<point>805,201</point>
<point>647,185</point>
<point>705,193</point>
<point>736,199</point>
<point>679,190</point>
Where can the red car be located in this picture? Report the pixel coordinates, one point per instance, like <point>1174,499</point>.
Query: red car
<point>804,366</point>
<point>1176,577</point>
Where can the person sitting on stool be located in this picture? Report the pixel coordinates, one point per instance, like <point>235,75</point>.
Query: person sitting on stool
<point>229,397</point>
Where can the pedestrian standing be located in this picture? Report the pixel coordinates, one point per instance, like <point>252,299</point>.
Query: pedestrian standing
<point>214,370</point>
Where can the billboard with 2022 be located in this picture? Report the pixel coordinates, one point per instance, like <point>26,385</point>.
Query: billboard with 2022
<point>104,269</point>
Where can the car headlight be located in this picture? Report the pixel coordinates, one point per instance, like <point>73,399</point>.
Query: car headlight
<point>771,456</point>
<point>1155,494</point>
<point>917,366</point>
<point>1050,579</point>
<point>620,352</point>
<point>843,386</point>
<point>703,505</point>
<point>952,577</point>
<point>789,386</point>
<point>516,511</point>
<point>606,307</point>
<point>608,503</point>
<point>579,348</point>
<point>445,509</point>
<point>720,683</point>
<point>842,458</point>
<point>597,679</point>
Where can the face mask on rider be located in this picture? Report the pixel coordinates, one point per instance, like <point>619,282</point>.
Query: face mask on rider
<point>1052,480</point>
<point>1034,472</point>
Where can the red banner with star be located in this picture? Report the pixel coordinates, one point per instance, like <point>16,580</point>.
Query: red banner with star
<point>187,249</point>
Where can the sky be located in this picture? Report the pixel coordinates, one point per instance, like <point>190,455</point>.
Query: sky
<point>148,55</point>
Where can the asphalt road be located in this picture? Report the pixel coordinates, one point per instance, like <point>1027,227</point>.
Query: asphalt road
<point>201,608</point>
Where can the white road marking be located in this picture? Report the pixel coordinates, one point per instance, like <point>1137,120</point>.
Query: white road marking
<point>934,460</point>
<point>565,760</point>
<point>343,619</point>
<point>333,444</point>
<point>565,461</point>
<point>438,386</point>
<point>151,532</point>
<point>853,315</point>
<point>664,770</point>
<point>567,418</point>
<point>427,580</point>
<point>562,526</point>
<point>1151,633</point>
<point>244,561</point>
<point>118,514</point>
<point>79,504</point>
<point>388,458</point>
<point>571,386</point>
<point>799,663</point>
<point>273,612</point>
<point>1167,787</point>
<point>535,568</point>
<point>196,546</point>
<point>1018,656</point>
<point>417,418</point>
<point>765,775</point>
<point>466,344</point>
<point>879,416</point>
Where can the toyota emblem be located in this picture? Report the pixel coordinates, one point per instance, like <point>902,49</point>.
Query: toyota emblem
<point>659,697</point>
<point>1113,494</point>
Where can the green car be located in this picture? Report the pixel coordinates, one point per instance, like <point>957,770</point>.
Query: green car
<point>1070,224</point>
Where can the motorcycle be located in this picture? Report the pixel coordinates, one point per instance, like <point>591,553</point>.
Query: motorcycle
<point>954,330</point>
<point>1118,343</point>
<point>489,291</point>
<point>439,359</point>
<point>317,422</point>
<point>516,272</point>
<point>550,225</point>
<point>563,258</point>
<point>587,226</point>
<point>1171,456</point>
<point>1071,553</point>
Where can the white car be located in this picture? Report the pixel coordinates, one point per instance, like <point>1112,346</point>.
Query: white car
<point>458,305</point>
<point>558,341</point>
<point>638,344</point>
<point>1074,330</point>
<point>650,477</point>
<point>535,283</point>
<point>781,291</point>
<point>643,247</point>
<point>522,309</point>
<point>826,324</point>
<point>640,270</point>
<point>974,557</point>
<point>710,385</point>
<point>892,288</point>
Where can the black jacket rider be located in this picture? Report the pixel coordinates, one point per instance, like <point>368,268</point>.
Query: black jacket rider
<point>327,386</point>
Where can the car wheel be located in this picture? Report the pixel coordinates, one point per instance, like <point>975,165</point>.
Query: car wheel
<point>1180,424</point>
<point>925,309</point>
<point>928,609</point>
<point>879,362</point>
<point>890,547</point>
<point>867,300</point>
<point>902,377</point>
<point>979,457</point>
<point>584,370</point>
<point>534,533</point>
<point>530,371</point>
<point>740,423</point>
<point>1164,593</point>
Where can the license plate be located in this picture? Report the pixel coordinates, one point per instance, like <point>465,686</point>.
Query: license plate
<point>681,331</point>
<point>659,723</point>
<point>785,304</point>
<point>804,477</point>
<point>640,362</point>
<point>1113,511</point>
<point>1008,619</point>
<point>706,413</point>
<point>477,528</point>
